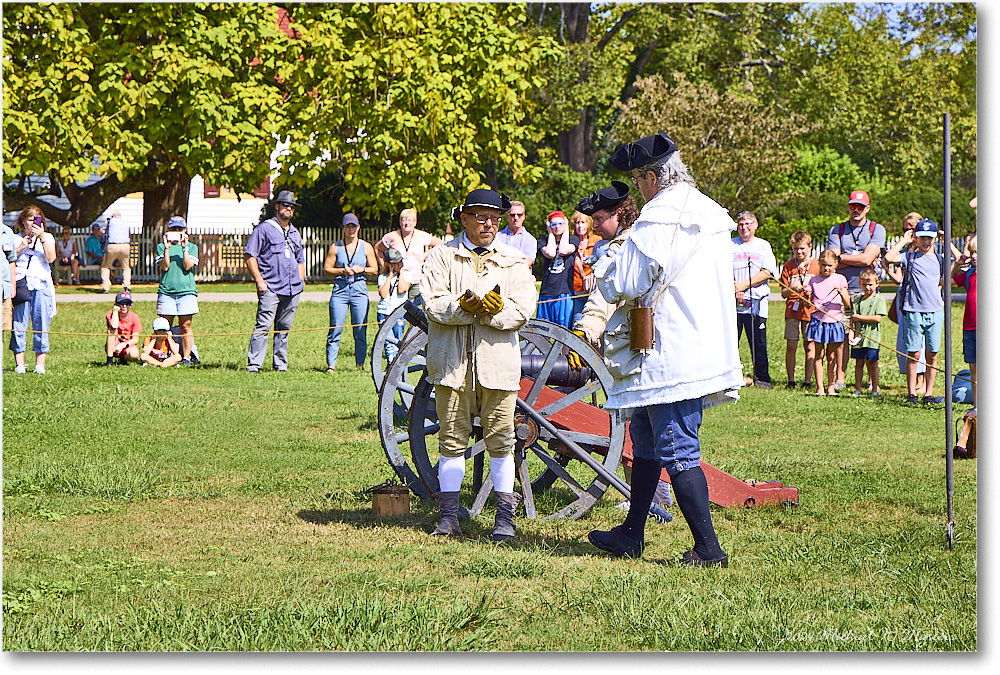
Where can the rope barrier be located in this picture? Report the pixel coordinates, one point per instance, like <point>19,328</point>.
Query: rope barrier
<point>244,333</point>
<point>375,323</point>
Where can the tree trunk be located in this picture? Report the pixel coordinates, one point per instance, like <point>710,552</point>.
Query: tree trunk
<point>574,144</point>
<point>168,198</point>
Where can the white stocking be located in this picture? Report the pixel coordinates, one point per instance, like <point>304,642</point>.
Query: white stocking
<point>451,471</point>
<point>502,473</point>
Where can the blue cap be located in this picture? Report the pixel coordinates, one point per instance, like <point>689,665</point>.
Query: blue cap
<point>925,228</point>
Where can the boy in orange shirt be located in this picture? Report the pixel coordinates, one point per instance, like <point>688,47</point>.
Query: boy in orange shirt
<point>794,276</point>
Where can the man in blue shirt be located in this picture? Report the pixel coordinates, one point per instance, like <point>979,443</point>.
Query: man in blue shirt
<point>277,262</point>
<point>516,235</point>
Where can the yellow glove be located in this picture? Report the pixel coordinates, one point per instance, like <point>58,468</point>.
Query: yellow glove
<point>492,302</point>
<point>471,302</point>
<point>575,362</point>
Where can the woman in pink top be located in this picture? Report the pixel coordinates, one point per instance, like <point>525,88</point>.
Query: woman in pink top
<point>828,292</point>
<point>412,243</point>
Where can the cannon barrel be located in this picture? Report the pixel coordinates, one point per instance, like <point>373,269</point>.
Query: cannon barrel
<point>561,376</point>
<point>415,315</point>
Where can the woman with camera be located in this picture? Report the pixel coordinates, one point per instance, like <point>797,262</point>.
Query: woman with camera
<point>177,296</point>
<point>35,299</point>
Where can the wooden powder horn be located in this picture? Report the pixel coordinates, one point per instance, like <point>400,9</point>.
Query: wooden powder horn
<point>640,326</point>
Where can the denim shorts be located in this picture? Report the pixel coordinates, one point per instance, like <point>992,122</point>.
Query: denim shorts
<point>864,353</point>
<point>176,305</point>
<point>668,433</point>
<point>923,331</point>
<point>969,345</point>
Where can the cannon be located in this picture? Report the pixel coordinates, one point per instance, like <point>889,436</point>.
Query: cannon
<point>567,446</point>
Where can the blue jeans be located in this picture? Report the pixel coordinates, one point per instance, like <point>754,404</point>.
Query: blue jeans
<point>668,433</point>
<point>278,310</point>
<point>557,309</point>
<point>392,348</point>
<point>578,304</point>
<point>38,310</point>
<point>354,297</point>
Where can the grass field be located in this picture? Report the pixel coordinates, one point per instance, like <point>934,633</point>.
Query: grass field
<point>209,509</point>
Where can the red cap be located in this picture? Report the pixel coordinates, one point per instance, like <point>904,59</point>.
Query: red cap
<point>557,214</point>
<point>859,197</point>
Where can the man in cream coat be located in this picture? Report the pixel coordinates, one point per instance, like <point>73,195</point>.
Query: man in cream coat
<point>694,363</point>
<point>477,293</point>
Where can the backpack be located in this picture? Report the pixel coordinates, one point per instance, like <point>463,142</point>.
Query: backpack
<point>871,233</point>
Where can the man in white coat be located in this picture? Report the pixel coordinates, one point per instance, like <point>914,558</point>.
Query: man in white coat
<point>683,237</point>
<point>477,293</point>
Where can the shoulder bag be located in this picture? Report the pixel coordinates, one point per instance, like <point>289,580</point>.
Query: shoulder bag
<point>623,361</point>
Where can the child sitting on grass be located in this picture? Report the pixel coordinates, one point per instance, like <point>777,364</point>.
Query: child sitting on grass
<point>828,292</point>
<point>866,322</point>
<point>160,349</point>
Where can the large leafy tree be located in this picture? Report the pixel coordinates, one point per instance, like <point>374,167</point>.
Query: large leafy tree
<point>731,146</point>
<point>145,94</point>
<point>412,101</point>
<point>877,79</point>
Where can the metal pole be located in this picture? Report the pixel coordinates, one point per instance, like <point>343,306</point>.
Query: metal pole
<point>949,461</point>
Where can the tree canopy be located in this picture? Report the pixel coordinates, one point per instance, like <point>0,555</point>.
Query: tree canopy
<point>411,104</point>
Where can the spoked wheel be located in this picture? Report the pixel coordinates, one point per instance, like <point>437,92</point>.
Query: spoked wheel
<point>553,482</point>
<point>384,337</point>
<point>394,402</point>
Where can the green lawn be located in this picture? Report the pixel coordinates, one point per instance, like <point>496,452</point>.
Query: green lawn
<point>210,509</point>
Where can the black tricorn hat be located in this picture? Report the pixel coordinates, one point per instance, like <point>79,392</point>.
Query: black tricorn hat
<point>643,152</point>
<point>483,197</point>
<point>609,198</point>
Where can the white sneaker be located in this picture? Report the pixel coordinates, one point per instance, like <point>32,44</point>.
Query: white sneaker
<point>40,370</point>
<point>19,369</point>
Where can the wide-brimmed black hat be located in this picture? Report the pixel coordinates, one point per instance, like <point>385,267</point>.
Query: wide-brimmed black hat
<point>482,197</point>
<point>288,197</point>
<point>643,152</point>
<point>609,198</point>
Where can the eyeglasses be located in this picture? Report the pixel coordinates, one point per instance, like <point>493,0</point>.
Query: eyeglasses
<point>483,218</point>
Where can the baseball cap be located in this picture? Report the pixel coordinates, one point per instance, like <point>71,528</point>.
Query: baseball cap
<point>123,298</point>
<point>557,214</point>
<point>159,323</point>
<point>350,219</point>
<point>177,222</point>
<point>859,197</point>
<point>393,256</point>
<point>925,228</point>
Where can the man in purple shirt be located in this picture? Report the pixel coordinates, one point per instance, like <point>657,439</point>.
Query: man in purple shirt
<point>276,261</point>
<point>515,235</point>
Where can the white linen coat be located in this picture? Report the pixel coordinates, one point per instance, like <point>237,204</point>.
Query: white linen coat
<point>454,334</point>
<point>695,354</point>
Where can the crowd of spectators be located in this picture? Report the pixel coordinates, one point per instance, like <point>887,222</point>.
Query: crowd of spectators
<point>832,303</point>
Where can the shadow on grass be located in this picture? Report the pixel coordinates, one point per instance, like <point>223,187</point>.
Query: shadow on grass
<point>473,530</point>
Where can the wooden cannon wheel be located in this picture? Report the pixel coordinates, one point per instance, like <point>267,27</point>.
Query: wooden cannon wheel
<point>554,484</point>
<point>385,336</point>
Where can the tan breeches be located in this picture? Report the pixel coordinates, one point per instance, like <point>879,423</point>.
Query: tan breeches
<point>457,407</point>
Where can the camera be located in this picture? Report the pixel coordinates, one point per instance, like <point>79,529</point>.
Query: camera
<point>174,237</point>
